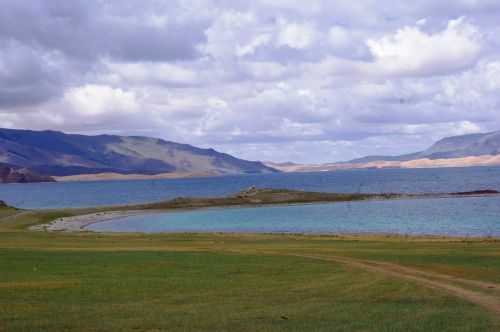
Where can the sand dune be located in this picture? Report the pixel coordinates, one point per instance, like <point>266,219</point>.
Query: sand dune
<point>485,160</point>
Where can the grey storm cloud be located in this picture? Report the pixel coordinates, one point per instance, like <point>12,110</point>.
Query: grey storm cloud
<point>266,79</point>
<point>93,29</point>
<point>47,45</point>
<point>25,76</point>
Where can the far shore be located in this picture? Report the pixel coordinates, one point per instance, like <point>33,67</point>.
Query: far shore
<point>471,161</point>
<point>117,176</point>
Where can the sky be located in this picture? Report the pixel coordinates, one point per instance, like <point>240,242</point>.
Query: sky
<point>274,80</point>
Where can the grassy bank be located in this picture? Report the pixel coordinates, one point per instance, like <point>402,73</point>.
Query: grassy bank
<point>206,282</point>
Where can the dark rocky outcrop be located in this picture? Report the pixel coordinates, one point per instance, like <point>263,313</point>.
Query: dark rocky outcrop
<point>476,192</point>
<point>12,174</point>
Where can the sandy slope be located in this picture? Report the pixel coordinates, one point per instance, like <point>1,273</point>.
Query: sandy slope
<point>486,160</point>
<point>117,176</point>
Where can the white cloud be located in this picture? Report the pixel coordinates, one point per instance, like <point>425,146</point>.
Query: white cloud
<point>283,78</point>
<point>253,45</point>
<point>467,127</point>
<point>217,103</point>
<point>475,92</point>
<point>451,128</point>
<point>298,6</point>
<point>415,52</point>
<point>230,31</point>
<point>347,43</point>
<point>158,21</point>
<point>263,70</point>
<point>150,72</point>
<point>422,22</point>
<point>8,120</point>
<point>92,100</point>
<point>296,35</point>
<point>340,37</point>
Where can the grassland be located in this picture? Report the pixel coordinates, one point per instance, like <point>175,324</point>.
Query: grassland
<point>241,282</point>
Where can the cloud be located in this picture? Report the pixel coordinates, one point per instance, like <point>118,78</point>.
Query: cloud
<point>296,35</point>
<point>151,73</point>
<point>234,33</point>
<point>253,45</point>
<point>264,80</point>
<point>98,99</point>
<point>28,76</point>
<point>265,71</point>
<point>414,52</point>
<point>89,30</point>
<point>474,93</point>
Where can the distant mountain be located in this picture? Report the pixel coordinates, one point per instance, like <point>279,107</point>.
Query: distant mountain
<point>465,146</point>
<point>12,174</point>
<point>58,154</point>
<point>456,151</point>
<point>448,148</point>
<point>370,159</point>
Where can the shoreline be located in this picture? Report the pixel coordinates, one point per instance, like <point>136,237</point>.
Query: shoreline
<point>78,220</point>
<point>79,224</point>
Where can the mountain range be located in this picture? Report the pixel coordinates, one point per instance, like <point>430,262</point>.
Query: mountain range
<point>33,156</point>
<point>464,150</point>
<point>449,148</point>
<point>56,154</point>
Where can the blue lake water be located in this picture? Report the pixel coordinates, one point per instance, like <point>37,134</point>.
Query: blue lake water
<point>471,217</point>
<point>478,216</point>
<point>88,194</point>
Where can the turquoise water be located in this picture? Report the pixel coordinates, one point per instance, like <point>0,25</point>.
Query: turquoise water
<point>88,194</point>
<point>454,216</point>
<point>472,216</point>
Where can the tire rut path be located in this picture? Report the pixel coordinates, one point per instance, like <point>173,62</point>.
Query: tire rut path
<point>429,279</point>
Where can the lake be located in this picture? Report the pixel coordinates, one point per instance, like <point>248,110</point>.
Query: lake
<point>90,194</point>
<point>473,216</point>
<point>468,217</point>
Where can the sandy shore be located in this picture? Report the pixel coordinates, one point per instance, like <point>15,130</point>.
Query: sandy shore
<point>116,176</point>
<point>78,223</point>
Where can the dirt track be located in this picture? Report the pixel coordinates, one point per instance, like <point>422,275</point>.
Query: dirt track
<point>430,279</point>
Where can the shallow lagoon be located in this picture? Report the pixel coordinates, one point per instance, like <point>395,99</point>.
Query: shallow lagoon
<point>472,216</point>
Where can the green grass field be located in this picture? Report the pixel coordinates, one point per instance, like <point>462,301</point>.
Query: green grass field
<point>217,282</point>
